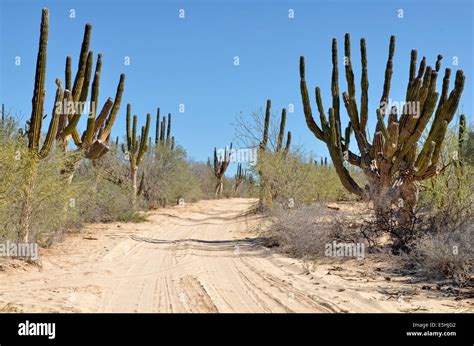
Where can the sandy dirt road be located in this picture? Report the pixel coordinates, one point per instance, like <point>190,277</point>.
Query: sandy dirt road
<point>200,258</point>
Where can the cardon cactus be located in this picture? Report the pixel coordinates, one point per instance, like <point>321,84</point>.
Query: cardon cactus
<point>392,161</point>
<point>221,162</point>
<point>69,104</point>
<point>136,148</point>
<point>67,109</point>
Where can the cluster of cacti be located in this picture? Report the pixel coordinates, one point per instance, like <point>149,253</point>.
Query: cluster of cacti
<point>221,162</point>
<point>136,148</point>
<point>66,112</point>
<point>323,161</point>
<point>162,140</point>
<point>392,162</point>
<point>279,145</point>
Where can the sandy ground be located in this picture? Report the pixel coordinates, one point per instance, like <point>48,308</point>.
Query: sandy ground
<point>204,257</point>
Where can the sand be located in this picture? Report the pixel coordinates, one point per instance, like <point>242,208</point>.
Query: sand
<point>204,257</point>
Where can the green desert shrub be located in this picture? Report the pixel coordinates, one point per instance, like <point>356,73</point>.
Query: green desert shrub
<point>169,177</point>
<point>293,177</point>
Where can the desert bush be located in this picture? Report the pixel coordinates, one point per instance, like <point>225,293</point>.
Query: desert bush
<point>169,177</point>
<point>446,255</point>
<point>54,207</point>
<point>300,232</point>
<point>443,247</point>
<point>293,177</point>
<point>205,178</point>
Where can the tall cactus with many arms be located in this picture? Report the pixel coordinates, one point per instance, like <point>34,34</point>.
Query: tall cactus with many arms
<point>220,166</point>
<point>64,116</point>
<point>391,163</point>
<point>136,148</point>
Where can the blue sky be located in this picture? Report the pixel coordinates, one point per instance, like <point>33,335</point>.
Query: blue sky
<point>190,61</point>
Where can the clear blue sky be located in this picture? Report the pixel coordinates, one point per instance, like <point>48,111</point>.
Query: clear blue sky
<point>190,61</point>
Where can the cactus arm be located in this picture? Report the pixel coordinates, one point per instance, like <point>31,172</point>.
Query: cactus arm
<point>411,74</point>
<point>115,109</point>
<point>67,100</point>
<point>162,132</point>
<point>288,143</point>
<point>100,121</point>
<point>141,187</point>
<point>349,75</point>
<point>94,101</point>
<point>128,129</point>
<point>157,128</point>
<point>388,73</point>
<point>81,69</point>
<point>134,146</point>
<point>71,128</point>
<point>426,159</point>
<point>143,141</point>
<point>216,164</point>
<point>53,125</point>
<point>364,84</point>
<point>281,133</point>
<point>34,132</point>
<point>382,127</point>
<point>266,125</point>
<point>322,116</point>
<point>318,133</point>
<point>68,73</point>
<point>439,142</point>
<point>334,86</point>
<point>168,130</point>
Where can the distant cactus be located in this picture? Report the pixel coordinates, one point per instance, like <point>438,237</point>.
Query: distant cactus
<point>162,132</point>
<point>266,130</point>
<point>136,148</point>
<point>220,166</point>
<point>391,163</point>
<point>238,178</point>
